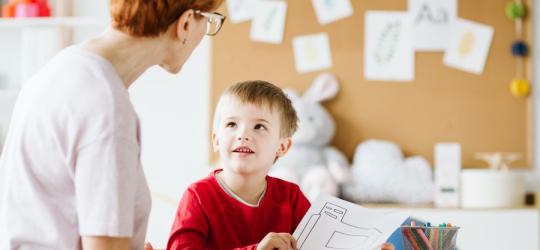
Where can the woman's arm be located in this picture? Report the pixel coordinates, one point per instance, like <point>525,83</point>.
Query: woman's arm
<point>105,243</point>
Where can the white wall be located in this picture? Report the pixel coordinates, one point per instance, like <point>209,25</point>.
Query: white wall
<point>173,110</point>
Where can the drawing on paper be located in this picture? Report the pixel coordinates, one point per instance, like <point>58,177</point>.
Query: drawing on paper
<point>268,22</point>
<point>341,235</point>
<point>469,45</point>
<point>433,16</point>
<point>387,43</point>
<point>432,23</point>
<point>332,223</point>
<point>312,52</point>
<point>388,46</point>
<point>466,44</point>
<point>328,11</point>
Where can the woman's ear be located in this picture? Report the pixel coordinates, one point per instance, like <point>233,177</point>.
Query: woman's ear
<point>215,142</point>
<point>284,146</point>
<point>184,25</point>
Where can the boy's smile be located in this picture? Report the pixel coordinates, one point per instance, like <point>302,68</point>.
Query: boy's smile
<point>243,150</point>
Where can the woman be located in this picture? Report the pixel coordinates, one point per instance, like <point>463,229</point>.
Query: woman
<point>70,174</point>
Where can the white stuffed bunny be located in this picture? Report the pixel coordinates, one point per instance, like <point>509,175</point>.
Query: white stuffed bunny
<point>313,164</point>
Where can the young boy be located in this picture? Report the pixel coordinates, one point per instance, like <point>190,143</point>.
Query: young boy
<point>239,206</point>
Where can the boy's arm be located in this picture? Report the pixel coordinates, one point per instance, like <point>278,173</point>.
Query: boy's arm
<point>300,206</point>
<point>186,240</point>
<point>250,247</point>
<point>190,227</point>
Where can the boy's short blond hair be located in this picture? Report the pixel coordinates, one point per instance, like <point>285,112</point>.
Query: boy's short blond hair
<point>262,93</point>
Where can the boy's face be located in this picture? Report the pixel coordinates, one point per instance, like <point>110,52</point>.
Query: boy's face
<point>248,137</point>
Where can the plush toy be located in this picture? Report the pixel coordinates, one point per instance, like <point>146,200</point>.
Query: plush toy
<point>381,174</point>
<point>311,162</point>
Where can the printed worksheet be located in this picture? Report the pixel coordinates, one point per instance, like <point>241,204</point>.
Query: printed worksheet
<point>332,223</point>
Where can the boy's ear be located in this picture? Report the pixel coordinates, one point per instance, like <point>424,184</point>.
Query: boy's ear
<point>215,142</point>
<point>184,25</point>
<point>284,146</point>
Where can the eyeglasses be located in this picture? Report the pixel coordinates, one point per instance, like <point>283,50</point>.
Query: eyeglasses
<point>215,21</point>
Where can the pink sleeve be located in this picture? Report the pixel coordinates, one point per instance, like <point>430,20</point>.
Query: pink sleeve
<point>190,227</point>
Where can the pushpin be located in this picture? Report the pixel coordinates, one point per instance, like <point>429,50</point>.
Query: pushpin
<point>515,10</point>
<point>519,48</point>
<point>520,87</point>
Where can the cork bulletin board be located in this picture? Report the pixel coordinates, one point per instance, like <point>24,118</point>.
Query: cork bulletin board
<point>440,104</point>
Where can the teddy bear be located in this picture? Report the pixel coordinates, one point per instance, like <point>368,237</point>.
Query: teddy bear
<point>380,173</point>
<point>311,162</point>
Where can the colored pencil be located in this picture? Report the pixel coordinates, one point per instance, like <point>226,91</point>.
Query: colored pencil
<point>424,238</point>
<point>435,237</point>
<point>408,234</point>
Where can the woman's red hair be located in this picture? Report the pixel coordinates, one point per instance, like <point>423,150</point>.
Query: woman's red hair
<point>150,18</point>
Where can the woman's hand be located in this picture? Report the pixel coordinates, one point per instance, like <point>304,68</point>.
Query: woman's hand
<point>101,242</point>
<point>148,246</point>
<point>280,241</point>
<point>387,246</point>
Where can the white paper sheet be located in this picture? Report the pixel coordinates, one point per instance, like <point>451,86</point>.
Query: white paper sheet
<point>268,22</point>
<point>332,223</point>
<point>240,10</point>
<point>388,50</point>
<point>469,46</point>
<point>312,52</point>
<point>432,23</point>
<point>328,11</point>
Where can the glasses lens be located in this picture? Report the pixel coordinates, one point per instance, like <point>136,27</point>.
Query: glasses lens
<point>213,25</point>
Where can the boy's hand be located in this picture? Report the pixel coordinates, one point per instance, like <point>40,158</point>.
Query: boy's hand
<point>280,241</point>
<point>387,246</point>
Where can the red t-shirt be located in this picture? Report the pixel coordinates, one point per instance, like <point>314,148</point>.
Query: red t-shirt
<point>208,218</point>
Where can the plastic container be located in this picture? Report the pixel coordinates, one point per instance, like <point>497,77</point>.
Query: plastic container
<point>429,238</point>
<point>486,188</point>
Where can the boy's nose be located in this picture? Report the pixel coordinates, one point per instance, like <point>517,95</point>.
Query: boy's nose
<point>243,138</point>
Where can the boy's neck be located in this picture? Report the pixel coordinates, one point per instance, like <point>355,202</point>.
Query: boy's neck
<point>249,188</point>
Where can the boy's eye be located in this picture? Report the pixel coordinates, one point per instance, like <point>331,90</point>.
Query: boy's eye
<point>260,126</point>
<point>230,124</point>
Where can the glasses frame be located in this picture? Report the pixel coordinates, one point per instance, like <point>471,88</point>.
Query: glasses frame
<point>215,15</point>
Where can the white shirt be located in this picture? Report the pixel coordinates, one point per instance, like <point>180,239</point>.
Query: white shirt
<point>71,161</point>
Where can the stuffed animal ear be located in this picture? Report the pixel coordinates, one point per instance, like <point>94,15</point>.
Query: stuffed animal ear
<point>291,94</point>
<point>324,87</point>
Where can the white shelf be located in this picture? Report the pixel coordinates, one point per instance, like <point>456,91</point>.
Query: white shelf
<point>51,22</point>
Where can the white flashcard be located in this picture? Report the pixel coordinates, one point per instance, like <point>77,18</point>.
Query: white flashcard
<point>268,23</point>
<point>432,23</point>
<point>388,49</point>
<point>240,10</point>
<point>312,52</point>
<point>469,46</point>
<point>328,11</point>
